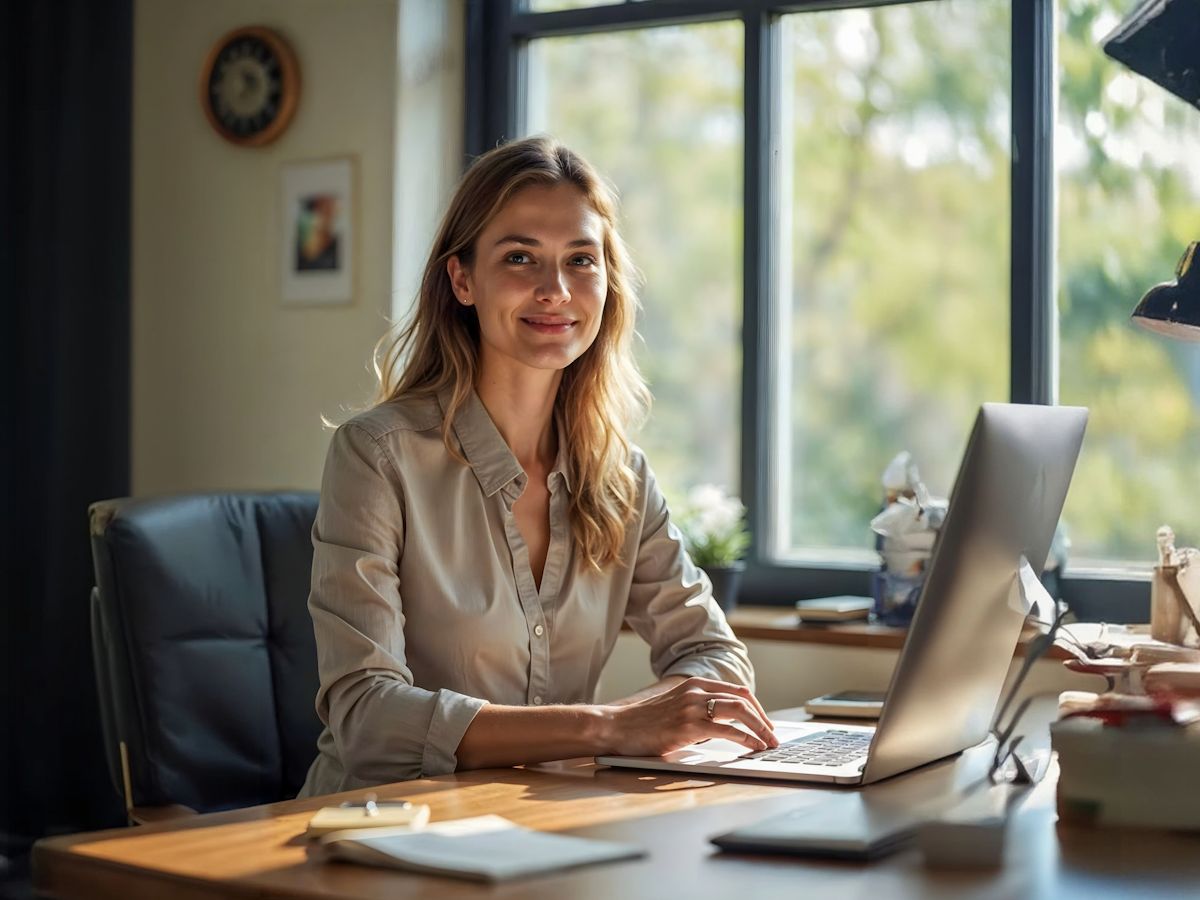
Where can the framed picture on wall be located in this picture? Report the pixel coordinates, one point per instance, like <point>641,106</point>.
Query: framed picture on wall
<point>318,232</point>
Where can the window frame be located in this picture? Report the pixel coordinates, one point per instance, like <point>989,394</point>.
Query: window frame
<point>498,35</point>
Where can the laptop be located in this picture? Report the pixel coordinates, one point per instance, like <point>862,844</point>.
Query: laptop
<point>1005,505</point>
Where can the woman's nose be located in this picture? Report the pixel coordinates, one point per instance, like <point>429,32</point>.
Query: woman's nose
<point>553,288</point>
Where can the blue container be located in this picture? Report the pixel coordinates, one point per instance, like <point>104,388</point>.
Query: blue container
<point>895,596</point>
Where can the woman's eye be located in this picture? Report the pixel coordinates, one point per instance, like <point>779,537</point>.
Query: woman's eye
<point>517,258</point>
<point>583,259</point>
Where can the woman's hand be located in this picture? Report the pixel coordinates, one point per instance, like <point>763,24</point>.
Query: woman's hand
<point>694,710</point>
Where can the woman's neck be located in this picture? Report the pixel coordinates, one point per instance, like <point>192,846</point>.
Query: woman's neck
<point>522,407</point>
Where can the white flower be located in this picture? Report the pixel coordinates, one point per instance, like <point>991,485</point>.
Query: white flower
<point>705,496</point>
<point>711,513</point>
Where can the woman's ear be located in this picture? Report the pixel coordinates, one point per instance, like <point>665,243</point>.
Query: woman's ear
<point>460,283</point>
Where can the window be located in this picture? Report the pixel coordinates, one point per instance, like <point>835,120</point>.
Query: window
<point>893,255</point>
<point>843,250</point>
<point>659,112</point>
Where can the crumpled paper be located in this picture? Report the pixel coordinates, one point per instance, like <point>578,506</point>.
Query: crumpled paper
<point>909,523</point>
<point>1030,598</point>
<point>907,528</point>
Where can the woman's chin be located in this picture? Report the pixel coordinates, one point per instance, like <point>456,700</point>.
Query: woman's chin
<point>551,357</point>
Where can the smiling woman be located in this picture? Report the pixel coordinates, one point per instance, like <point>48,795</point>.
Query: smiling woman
<point>487,527</point>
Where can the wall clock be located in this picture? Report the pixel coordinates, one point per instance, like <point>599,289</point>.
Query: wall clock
<point>249,86</point>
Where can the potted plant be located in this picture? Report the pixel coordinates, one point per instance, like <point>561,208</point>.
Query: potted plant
<point>714,531</point>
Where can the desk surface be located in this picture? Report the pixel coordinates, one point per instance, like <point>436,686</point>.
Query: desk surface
<point>260,851</point>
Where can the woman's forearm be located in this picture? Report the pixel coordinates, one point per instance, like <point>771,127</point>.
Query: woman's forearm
<point>516,735</point>
<point>666,716</point>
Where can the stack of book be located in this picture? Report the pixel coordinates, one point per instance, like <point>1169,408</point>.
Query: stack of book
<point>1129,760</point>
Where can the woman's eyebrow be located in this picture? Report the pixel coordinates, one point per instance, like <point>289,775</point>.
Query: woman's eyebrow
<point>526,241</point>
<point>519,239</point>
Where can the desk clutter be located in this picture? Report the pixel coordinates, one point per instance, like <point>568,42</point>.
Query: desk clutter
<point>1128,756</point>
<point>480,848</point>
<point>905,531</point>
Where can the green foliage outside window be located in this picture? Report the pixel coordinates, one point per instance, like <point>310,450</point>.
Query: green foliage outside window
<point>894,252</point>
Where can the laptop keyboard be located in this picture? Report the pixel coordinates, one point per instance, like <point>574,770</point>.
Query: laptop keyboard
<point>825,748</point>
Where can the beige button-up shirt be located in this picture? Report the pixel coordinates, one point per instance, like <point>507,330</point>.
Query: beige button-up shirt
<point>425,607</point>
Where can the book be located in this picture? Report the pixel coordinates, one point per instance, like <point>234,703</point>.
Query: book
<point>483,848</point>
<point>834,609</point>
<point>847,705</point>
<point>1140,774</point>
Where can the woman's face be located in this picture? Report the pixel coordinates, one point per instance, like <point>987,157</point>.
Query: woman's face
<point>538,281</point>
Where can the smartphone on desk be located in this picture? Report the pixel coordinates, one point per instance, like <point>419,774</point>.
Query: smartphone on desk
<point>847,705</point>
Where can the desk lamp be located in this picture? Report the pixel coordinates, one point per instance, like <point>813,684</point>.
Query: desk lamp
<point>1160,39</point>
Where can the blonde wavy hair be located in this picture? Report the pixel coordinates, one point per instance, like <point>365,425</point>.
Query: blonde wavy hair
<point>602,394</point>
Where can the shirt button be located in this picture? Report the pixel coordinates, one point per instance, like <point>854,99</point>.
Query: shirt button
<point>539,630</point>
<point>537,701</point>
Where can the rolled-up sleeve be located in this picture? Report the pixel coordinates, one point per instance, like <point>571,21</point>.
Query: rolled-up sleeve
<point>671,605</point>
<point>383,727</point>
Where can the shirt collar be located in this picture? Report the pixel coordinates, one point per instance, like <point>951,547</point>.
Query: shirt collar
<point>562,465</point>
<point>488,455</point>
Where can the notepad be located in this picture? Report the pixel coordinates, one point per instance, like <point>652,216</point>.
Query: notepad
<point>328,819</point>
<point>484,848</point>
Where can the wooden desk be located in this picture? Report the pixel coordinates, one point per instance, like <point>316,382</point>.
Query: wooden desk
<point>259,852</point>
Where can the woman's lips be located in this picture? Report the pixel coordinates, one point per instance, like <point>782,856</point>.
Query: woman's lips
<point>550,326</point>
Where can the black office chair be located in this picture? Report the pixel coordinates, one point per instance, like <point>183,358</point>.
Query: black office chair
<point>204,650</point>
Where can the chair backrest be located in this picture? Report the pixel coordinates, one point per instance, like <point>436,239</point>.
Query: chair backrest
<point>204,647</point>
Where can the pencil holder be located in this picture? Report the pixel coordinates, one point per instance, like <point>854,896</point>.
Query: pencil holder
<point>1172,618</point>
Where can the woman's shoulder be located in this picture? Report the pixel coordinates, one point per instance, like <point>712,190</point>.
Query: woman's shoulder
<point>637,461</point>
<point>399,416</point>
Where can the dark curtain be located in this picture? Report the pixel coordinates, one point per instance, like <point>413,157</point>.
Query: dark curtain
<point>65,112</point>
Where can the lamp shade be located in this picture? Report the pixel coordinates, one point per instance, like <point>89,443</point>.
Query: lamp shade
<point>1160,39</point>
<point>1173,308</point>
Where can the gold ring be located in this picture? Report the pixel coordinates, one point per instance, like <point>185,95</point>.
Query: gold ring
<point>712,707</point>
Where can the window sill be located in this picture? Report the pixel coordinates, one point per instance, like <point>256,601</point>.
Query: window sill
<point>770,623</point>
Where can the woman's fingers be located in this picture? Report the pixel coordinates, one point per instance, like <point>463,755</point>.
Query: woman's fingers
<point>727,707</point>
<point>711,685</point>
<point>758,723</point>
<point>737,735</point>
<point>694,710</point>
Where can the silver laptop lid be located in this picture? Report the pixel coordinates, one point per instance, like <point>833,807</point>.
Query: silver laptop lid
<point>1006,502</point>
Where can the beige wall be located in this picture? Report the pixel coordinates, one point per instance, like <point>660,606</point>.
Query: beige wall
<point>228,385</point>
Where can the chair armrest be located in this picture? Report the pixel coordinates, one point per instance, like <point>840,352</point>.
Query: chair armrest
<point>148,815</point>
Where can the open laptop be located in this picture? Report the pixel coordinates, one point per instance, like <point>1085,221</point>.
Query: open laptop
<point>1004,507</point>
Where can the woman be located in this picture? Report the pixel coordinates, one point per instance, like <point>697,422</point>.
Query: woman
<point>486,527</point>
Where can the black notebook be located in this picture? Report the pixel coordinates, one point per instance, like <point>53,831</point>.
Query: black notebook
<point>842,826</point>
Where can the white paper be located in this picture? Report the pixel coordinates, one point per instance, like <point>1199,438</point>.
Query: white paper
<point>1029,596</point>
<point>485,848</point>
